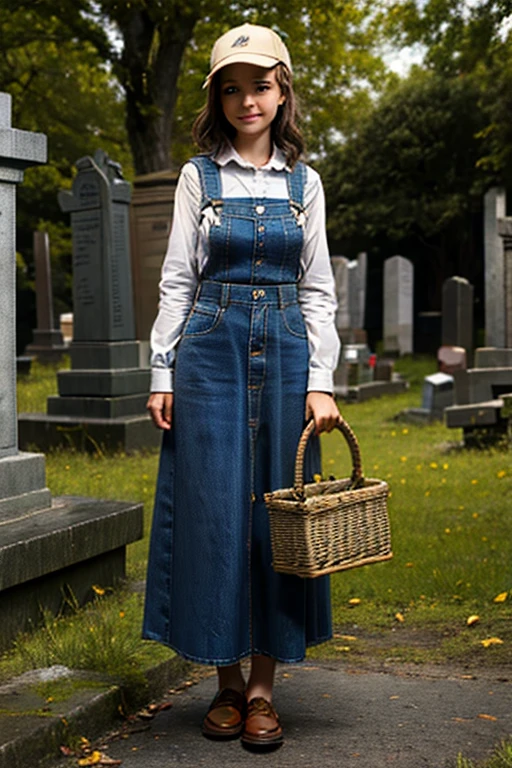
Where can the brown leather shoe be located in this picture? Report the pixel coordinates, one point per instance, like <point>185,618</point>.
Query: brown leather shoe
<point>225,717</point>
<point>262,727</point>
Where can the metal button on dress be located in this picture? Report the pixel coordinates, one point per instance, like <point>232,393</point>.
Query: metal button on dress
<point>260,209</point>
<point>255,294</point>
<point>261,228</point>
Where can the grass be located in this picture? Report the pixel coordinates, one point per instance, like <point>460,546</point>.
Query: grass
<point>451,532</point>
<point>501,758</point>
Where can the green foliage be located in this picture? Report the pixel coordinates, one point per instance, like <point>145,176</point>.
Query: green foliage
<point>411,169</point>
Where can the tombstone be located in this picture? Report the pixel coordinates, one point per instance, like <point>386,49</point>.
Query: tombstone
<point>340,270</point>
<point>457,318</point>
<point>505,232</point>
<point>151,212</point>
<point>22,475</point>
<point>102,399</point>
<point>48,344</point>
<point>398,306</point>
<point>451,359</point>
<point>45,544</point>
<point>493,357</point>
<point>357,297</point>
<point>438,394</point>
<point>494,209</point>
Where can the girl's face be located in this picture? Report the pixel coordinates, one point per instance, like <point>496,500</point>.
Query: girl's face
<point>250,97</point>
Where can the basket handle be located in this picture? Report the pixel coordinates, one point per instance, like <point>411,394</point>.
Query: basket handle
<point>355,452</point>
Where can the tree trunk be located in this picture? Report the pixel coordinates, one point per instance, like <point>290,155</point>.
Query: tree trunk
<point>149,70</point>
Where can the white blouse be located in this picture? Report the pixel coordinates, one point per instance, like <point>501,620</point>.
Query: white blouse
<point>187,253</point>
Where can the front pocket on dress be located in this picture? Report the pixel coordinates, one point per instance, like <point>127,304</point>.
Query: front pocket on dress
<point>202,320</point>
<point>294,320</point>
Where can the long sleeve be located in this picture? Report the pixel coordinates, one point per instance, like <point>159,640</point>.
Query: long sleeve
<point>179,279</point>
<point>317,295</point>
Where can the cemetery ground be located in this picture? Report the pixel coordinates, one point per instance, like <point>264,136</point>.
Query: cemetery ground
<point>444,599</point>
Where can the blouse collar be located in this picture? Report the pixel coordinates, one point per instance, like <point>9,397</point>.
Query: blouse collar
<point>228,154</point>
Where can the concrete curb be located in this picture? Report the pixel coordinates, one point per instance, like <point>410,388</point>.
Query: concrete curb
<point>32,730</point>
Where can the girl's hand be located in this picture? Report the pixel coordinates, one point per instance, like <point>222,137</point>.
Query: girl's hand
<point>159,406</point>
<point>322,407</point>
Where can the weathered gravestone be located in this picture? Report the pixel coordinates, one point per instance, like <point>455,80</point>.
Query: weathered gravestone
<point>438,394</point>
<point>151,212</point>
<point>505,232</point>
<point>357,270</point>
<point>398,306</point>
<point>494,209</point>
<point>457,319</point>
<point>102,398</point>
<point>48,344</point>
<point>45,546</point>
<point>340,270</point>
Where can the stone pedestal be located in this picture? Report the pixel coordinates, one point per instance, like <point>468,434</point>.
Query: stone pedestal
<point>102,398</point>
<point>70,545</point>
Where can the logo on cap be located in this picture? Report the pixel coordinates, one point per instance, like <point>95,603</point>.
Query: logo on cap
<point>240,41</point>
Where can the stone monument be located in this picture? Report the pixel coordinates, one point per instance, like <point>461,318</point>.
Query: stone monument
<point>457,317</point>
<point>102,398</point>
<point>494,209</point>
<point>398,306</point>
<point>48,344</point>
<point>151,212</point>
<point>340,270</point>
<point>44,544</point>
<point>505,232</point>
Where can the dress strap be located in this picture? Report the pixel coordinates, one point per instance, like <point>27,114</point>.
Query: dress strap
<point>209,177</point>
<point>296,182</point>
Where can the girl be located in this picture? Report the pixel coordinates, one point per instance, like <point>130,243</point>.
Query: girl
<point>243,350</point>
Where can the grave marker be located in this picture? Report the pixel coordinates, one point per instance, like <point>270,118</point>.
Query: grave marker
<point>398,306</point>
<point>494,209</point>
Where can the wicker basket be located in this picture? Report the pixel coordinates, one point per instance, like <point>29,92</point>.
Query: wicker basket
<point>320,528</point>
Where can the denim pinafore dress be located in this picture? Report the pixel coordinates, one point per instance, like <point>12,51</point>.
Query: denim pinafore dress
<point>239,399</point>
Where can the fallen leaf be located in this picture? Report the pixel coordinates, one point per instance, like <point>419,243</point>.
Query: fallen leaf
<point>106,760</point>
<point>344,648</point>
<point>501,597</point>
<point>354,601</point>
<point>399,617</point>
<point>473,619</point>
<point>393,698</point>
<point>98,590</point>
<point>487,717</point>
<point>145,714</point>
<point>491,641</point>
<point>348,638</point>
<point>92,759</point>
<point>67,751</point>
<point>461,719</point>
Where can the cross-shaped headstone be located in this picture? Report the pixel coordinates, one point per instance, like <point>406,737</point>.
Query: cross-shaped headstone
<point>18,150</point>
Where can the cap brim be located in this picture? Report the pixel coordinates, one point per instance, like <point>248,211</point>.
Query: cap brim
<point>259,59</point>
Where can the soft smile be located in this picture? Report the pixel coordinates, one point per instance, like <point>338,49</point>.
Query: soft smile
<point>249,118</point>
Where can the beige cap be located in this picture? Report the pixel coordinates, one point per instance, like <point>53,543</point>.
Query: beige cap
<point>249,44</point>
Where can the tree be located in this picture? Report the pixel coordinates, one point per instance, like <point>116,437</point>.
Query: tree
<point>333,46</point>
<point>409,181</point>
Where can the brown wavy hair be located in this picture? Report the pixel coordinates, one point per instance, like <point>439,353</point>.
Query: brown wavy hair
<point>211,131</point>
